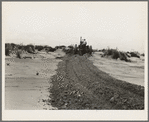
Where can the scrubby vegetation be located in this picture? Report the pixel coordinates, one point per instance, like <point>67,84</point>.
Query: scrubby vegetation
<point>18,49</point>
<point>115,54</point>
<point>18,54</point>
<point>81,49</point>
<point>8,48</point>
<point>49,49</point>
<point>135,54</point>
<point>7,52</point>
<point>142,54</point>
<point>39,47</point>
<point>60,47</point>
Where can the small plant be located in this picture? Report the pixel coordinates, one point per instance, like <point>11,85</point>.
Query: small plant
<point>7,52</point>
<point>52,49</point>
<point>60,47</point>
<point>18,54</point>
<point>143,54</point>
<point>134,54</point>
<point>39,47</point>
<point>8,49</point>
<point>123,56</point>
<point>115,54</point>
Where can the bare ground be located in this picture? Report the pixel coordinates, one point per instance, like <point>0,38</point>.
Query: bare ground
<point>24,90</point>
<point>78,84</point>
<point>132,72</point>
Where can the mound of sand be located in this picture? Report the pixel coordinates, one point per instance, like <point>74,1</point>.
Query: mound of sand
<point>132,72</point>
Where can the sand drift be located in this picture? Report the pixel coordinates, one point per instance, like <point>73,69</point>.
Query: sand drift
<point>24,89</point>
<point>132,72</point>
<point>33,84</point>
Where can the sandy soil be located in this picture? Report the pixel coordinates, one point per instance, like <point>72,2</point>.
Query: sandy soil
<point>24,90</point>
<point>78,84</point>
<point>75,84</point>
<point>132,72</point>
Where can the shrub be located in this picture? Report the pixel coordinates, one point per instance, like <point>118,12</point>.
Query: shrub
<point>7,52</point>
<point>60,47</point>
<point>134,54</point>
<point>123,56</point>
<point>103,50</point>
<point>52,49</point>
<point>115,54</point>
<point>29,49</point>
<point>39,47</point>
<point>109,51</point>
<point>128,54</point>
<point>8,49</point>
<point>66,50</point>
<point>20,47</point>
<point>18,54</point>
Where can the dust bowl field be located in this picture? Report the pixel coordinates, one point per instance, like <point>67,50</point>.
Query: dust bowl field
<point>78,84</point>
<point>58,81</point>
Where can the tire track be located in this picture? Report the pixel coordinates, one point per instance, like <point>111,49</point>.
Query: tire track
<point>83,86</point>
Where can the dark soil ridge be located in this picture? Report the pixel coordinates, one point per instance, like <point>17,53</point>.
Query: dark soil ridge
<point>78,84</point>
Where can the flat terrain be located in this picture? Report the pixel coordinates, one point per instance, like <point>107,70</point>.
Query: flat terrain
<point>67,82</point>
<point>24,90</point>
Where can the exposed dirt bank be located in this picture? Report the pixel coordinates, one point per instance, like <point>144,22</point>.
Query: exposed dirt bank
<point>78,84</point>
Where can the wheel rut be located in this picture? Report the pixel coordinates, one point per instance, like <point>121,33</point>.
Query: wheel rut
<point>78,84</point>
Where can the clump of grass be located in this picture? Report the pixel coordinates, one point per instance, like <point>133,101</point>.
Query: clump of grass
<point>69,50</point>
<point>123,56</point>
<point>30,48</point>
<point>49,49</point>
<point>8,49</point>
<point>142,54</point>
<point>39,47</point>
<point>18,54</point>
<point>7,52</point>
<point>46,48</point>
<point>60,47</point>
<point>115,54</point>
<point>135,54</point>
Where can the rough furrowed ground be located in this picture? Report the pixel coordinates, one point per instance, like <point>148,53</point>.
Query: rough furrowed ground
<point>78,84</point>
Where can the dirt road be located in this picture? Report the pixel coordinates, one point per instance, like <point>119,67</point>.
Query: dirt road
<point>78,84</point>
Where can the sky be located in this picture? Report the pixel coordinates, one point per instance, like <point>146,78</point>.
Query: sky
<point>121,25</point>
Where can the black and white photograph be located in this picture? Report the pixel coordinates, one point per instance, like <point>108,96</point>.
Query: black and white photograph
<point>79,60</point>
